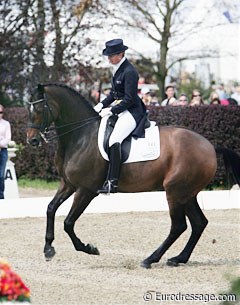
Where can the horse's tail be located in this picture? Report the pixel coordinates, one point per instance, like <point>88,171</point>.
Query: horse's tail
<point>232,162</point>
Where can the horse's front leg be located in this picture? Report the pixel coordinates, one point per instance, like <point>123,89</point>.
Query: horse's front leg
<point>62,194</point>
<point>81,200</point>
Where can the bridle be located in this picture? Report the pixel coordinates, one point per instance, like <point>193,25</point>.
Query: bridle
<point>47,111</point>
<point>48,117</point>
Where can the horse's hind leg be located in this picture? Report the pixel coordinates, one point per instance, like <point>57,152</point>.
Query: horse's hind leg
<point>178,226</point>
<point>62,194</point>
<point>81,200</point>
<point>198,222</point>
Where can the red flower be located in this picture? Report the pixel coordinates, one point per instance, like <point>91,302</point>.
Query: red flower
<point>11,285</point>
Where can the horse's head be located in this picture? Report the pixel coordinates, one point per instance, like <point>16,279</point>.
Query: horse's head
<point>60,104</point>
<point>40,116</point>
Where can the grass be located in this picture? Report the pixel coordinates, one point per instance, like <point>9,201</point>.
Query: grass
<point>234,290</point>
<point>37,184</point>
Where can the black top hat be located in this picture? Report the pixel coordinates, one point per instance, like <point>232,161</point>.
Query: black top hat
<point>114,46</point>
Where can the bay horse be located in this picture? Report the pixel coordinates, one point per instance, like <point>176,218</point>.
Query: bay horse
<point>186,165</point>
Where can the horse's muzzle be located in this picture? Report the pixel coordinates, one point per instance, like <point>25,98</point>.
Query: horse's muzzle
<point>33,137</point>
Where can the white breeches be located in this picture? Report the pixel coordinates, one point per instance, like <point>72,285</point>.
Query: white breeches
<point>123,127</point>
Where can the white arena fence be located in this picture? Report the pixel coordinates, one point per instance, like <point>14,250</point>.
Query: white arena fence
<point>117,203</point>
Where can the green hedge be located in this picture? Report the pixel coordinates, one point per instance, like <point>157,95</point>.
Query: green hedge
<point>219,124</point>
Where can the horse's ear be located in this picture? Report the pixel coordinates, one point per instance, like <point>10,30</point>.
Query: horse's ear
<point>40,88</point>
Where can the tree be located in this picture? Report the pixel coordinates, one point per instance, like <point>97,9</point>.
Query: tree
<point>60,40</point>
<point>36,30</point>
<point>40,41</point>
<point>66,33</point>
<point>56,28</point>
<point>12,49</point>
<point>170,25</point>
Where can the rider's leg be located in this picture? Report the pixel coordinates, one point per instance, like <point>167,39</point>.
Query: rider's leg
<point>124,126</point>
<point>111,183</point>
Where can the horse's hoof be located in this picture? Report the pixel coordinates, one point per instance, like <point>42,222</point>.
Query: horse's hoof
<point>145,264</point>
<point>49,253</point>
<point>92,250</point>
<point>172,263</point>
<point>175,261</point>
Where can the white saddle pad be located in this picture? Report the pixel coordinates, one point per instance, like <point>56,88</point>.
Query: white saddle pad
<point>142,149</point>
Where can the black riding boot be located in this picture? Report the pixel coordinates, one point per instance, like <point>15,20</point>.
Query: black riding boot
<point>111,184</point>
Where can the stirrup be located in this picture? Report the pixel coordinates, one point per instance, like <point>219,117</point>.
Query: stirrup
<point>109,187</point>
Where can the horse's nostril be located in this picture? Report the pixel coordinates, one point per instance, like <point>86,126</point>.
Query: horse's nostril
<point>34,142</point>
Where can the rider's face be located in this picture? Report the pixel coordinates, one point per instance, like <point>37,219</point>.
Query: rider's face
<point>115,59</point>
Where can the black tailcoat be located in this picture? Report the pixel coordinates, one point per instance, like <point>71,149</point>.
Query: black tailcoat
<point>125,88</point>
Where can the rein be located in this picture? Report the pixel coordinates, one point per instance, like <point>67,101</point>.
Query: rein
<point>47,138</point>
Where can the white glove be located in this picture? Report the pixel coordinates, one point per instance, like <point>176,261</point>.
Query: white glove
<point>106,111</point>
<point>98,107</point>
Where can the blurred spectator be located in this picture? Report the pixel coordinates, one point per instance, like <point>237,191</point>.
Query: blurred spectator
<point>182,100</point>
<point>172,102</point>
<point>224,102</point>
<point>105,92</point>
<point>232,101</point>
<point>214,98</point>
<point>222,92</point>
<point>96,97</point>
<point>196,98</point>
<point>146,96</point>
<point>141,80</point>
<point>236,95</point>
<point>170,93</point>
<point>154,100</point>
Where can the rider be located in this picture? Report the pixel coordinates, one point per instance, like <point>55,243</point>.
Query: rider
<point>124,101</point>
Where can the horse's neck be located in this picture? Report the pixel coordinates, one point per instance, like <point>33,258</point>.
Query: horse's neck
<point>70,110</point>
<point>74,118</point>
<point>83,139</point>
<point>76,126</point>
<point>71,116</point>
